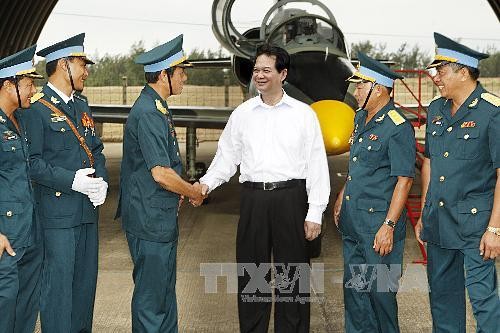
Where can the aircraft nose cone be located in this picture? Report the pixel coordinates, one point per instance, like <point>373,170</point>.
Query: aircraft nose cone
<point>336,120</point>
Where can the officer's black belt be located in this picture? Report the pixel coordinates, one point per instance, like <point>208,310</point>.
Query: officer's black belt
<point>274,185</point>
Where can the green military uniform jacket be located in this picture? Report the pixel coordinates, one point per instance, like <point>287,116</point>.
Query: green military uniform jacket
<point>380,151</point>
<point>55,155</point>
<point>149,211</point>
<point>17,221</point>
<point>464,152</point>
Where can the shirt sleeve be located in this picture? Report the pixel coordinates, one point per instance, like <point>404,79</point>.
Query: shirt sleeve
<point>493,135</point>
<point>227,158</point>
<point>402,151</point>
<point>317,176</point>
<point>41,171</point>
<point>153,135</point>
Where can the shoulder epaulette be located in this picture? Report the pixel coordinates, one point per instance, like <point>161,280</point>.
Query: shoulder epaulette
<point>160,107</point>
<point>80,97</point>
<point>436,98</point>
<point>490,98</point>
<point>396,117</point>
<point>36,97</point>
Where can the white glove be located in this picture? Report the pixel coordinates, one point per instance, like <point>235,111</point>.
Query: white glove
<point>84,184</point>
<point>99,197</point>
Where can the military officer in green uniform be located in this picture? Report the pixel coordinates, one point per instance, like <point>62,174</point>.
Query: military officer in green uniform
<point>461,192</point>
<point>370,208</point>
<point>21,249</point>
<point>151,187</point>
<point>70,181</point>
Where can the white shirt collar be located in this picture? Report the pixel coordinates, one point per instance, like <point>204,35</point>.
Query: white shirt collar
<point>62,95</point>
<point>285,99</point>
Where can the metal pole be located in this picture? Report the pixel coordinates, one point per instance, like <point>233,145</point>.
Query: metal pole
<point>226,86</point>
<point>124,90</point>
<point>124,95</point>
<point>191,153</point>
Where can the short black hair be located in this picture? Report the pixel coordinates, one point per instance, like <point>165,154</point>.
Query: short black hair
<point>473,72</point>
<point>152,77</point>
<point>282,56</point>
<point>50,67</point>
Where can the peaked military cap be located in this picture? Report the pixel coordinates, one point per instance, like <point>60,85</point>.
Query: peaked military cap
<point>19,64</point>
<point>374,71</point>
<point>447,50</point>
<point>71,47</point>
<point>164,56</point>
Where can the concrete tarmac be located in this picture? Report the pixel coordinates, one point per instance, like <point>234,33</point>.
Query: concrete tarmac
<point>207,241</point>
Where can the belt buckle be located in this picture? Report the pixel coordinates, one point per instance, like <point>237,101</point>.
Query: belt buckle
<point>269,186</point>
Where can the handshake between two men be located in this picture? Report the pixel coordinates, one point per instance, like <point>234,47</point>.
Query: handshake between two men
<point>94,188</point>
<point>200,193</point>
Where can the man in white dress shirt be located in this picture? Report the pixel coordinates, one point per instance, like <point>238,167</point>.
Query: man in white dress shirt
<point>276,140</point>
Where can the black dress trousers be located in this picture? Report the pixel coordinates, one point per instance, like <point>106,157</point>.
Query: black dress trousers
<point>272,222</point>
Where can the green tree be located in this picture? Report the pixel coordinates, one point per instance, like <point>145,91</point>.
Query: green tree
<point>490,67</point>
<point>208,76</point>
<point>404,57</point>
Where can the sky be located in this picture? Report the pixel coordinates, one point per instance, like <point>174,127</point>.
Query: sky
<point>112,26</point>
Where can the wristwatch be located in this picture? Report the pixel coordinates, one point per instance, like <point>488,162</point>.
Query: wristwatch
<point>494,230</point>
<point>390,223</point>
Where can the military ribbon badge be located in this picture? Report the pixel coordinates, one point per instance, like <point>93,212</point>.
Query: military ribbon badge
<point>88,123</point>
<point>468,124</point>
<point>9,135</point>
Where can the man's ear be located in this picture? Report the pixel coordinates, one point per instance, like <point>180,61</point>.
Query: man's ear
<point>283,73</point>
<point>163,75</point>
<point>8,85</point>
<point>61,63</point>
<point>465,74</point>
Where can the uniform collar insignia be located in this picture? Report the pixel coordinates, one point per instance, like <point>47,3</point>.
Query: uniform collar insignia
<point>160,107</point>
<point>380,119</point>
<point>9,135</point>
<point>437,120</point>
<point>473,103</point>
<point>54,100</point>
<point>3,120</point>
<point>468,124</point>
<point>56,118</point>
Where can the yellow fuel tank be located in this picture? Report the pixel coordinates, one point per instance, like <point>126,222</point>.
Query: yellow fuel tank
<point>336,119</point>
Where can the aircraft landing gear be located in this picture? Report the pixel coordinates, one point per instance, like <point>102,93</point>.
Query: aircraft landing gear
<point>194,170</point>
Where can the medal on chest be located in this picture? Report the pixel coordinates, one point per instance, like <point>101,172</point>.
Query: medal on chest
<point>353,134</point>
<point>88,123</point>
<point>9,135</point>
<point>438,120</point>
<point>468,124</point>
